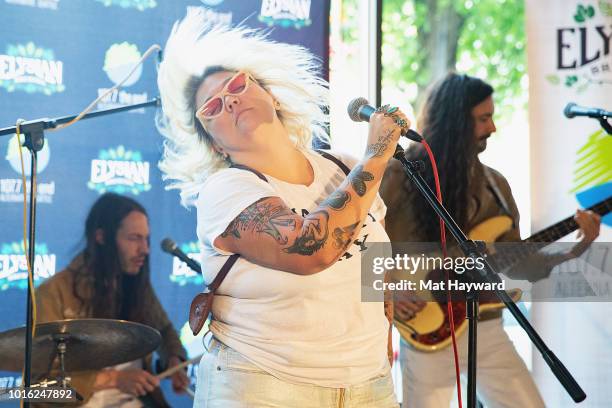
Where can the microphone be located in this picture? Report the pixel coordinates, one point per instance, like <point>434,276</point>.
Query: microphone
<point>359,110</point>
<point>169,246</point>
<point>572,110</point>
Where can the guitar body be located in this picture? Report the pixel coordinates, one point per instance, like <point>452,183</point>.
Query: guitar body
<point>438,338</point>
<point>490,230</point>
<point>437,313</point>
<point>430,330</point>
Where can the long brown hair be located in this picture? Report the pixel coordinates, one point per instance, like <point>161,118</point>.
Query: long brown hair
<point>101,263</point>
<point>446,122</point>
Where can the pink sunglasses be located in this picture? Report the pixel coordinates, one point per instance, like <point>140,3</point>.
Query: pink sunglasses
<point>237,85</point>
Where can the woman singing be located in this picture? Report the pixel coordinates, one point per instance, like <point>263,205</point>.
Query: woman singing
<point>289,328</point>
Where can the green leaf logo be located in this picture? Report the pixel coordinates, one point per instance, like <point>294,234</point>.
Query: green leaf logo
<point>570,80</point>
<point>553,79</point>
<point>583,13</point>
<point>605,7</point>
<point>140,5</point>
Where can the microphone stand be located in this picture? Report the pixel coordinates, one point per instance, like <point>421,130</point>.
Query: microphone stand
<point>473,250</point>
<point>34,131</point>
<point>603,121</point>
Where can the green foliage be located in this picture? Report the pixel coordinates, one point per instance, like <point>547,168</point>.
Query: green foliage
<point>494,39</point>
<point>490,44</point>
<point>605,7</point>
<point>402,58</point>
<point>349,28</point>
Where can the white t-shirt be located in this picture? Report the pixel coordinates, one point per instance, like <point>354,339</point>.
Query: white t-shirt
<point>303,329</point>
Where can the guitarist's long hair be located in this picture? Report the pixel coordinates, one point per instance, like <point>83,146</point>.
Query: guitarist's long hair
<point>445,121</point>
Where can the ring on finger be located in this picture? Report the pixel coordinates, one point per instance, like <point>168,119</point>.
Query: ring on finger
<point>391,111</point>
<point>400,122</point>
<point>382,109</point>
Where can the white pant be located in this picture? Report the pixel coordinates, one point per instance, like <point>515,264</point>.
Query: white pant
<point>227,379</point>
<point>503,381</point>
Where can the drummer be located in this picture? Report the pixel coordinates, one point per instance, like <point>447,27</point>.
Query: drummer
<point>110,279</point>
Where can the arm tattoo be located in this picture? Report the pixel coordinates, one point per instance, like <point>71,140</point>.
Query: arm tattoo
<point>358,177</point>
<point>337,200</point>
<point>344,236</point>
<point>378,149</point>
<point>261,217</point>
<point>313,235</point>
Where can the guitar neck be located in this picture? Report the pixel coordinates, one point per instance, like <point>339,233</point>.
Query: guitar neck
<point>546,236</point>
<point>564,227</point>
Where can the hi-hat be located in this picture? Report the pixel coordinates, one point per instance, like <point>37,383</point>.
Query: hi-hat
<point>91,344</point>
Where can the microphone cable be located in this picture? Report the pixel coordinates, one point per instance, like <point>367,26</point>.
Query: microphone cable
<point>154,47</point>
<point>449,303</point>
<point>26,244</point>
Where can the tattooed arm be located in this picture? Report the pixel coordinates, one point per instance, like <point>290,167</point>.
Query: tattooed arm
<point>268,233</point>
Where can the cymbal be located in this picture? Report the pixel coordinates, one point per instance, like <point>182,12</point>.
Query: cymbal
<point>91,344</point>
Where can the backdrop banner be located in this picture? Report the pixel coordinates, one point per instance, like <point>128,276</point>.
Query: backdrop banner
<point>569,60</point>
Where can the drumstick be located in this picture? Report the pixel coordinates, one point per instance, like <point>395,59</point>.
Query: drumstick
<point>177,367</point>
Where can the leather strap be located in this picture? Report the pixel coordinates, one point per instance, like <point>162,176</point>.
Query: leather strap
<point>247,168</point>
<point>499,197</point>
<point>336,160</point>
<point>223,272</point>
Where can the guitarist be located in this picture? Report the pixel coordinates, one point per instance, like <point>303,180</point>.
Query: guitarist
<point>457,120</point>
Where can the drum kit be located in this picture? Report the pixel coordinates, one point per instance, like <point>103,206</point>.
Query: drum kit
<point>62,347</point>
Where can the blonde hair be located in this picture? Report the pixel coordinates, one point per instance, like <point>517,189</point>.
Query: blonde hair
<point>288,72</point>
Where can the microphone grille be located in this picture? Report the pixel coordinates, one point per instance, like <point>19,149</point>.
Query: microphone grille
<point>568,110</point>
<point>168,245</point>
<point>353,108</point>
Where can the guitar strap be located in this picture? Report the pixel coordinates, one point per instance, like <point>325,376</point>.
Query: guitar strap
<point>499,197</point>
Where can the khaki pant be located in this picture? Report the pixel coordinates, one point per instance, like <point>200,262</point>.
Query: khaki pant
<point>226,379</point>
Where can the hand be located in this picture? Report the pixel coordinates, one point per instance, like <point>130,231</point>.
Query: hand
<point>589,224</point>
<point>384,133</point>
<point>180,381</point>
<point>136,382</point>
<point>407,308</point>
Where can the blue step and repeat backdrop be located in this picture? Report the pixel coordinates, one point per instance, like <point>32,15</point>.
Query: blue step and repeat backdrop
<point>56,56</point>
